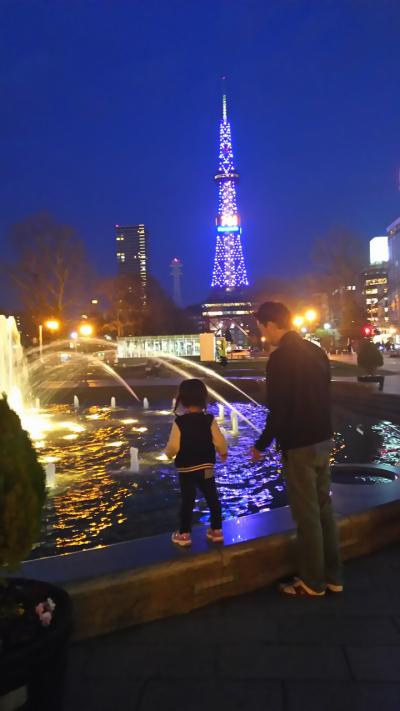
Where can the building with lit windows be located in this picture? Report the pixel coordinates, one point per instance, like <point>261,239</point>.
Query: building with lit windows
<point>132,254</point>
<point>393,233</point>
<point>375,283</point>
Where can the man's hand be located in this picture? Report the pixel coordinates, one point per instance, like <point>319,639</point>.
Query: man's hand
<point>255,454</point>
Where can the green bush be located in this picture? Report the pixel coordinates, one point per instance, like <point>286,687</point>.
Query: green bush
<point>369,357</point>
<point>22,489</point>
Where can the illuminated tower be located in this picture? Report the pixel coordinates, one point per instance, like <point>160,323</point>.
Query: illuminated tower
<point>176,273</point>
<point>229,273</point>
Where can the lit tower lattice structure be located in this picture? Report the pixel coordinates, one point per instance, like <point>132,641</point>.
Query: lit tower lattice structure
<point>227,308</point>
<point>229,273</point>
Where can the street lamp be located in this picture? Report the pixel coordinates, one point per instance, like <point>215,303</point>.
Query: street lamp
<point>86,329</point>
<point>298,321</point>
<point>327,326</point>
<point>52,325</point>
<point>311,315</point>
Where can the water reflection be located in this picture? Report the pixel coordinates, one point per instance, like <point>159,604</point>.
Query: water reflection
<point>94,503</point>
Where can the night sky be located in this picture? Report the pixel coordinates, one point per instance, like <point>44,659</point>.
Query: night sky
<point>110,110</point>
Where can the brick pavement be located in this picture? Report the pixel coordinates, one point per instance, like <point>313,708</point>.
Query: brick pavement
<point>258,652</point>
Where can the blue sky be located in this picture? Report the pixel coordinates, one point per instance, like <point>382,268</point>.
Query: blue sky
<point>110,114</point>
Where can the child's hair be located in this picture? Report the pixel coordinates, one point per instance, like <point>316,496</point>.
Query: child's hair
<point>192,393</point>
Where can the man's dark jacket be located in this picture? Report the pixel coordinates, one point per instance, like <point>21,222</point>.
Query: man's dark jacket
<point>298,395</point>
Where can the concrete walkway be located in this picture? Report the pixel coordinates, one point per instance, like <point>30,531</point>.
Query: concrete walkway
<point>391,367</point>
<point>258,652</point>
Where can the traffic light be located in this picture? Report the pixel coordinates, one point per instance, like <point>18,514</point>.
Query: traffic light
<point>366,331</point>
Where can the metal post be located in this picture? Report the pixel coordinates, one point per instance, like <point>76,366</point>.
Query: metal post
<point>41,342</point>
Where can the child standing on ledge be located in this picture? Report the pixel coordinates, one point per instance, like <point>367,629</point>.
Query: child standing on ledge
<point>194,437</point>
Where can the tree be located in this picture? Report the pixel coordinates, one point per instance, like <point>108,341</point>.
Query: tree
<point>129,314</point>
<point>163,316</point>
<point>50,269</point>
<point>369,357</point>
<point>125,313</point>
<point>351,316</point>
<point>22,486</point>
<point>339,258</point>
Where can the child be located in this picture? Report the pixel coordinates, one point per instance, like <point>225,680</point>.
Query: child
<point>194,437</point>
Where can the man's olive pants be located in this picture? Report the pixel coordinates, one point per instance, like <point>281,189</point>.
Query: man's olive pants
<point>307,474</point>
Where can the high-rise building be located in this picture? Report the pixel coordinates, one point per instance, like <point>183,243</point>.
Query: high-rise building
<point>229,273</point>
<point>228,311</point>
<point>393,232</point>
<point>375,282</point>
<point>132,254</point>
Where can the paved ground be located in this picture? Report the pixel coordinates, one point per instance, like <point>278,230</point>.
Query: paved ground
<point>257,652</point>
<point>391,367</point>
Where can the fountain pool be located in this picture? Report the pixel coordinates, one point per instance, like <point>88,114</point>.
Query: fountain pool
<point>98,497</point>
<point>98,501</point>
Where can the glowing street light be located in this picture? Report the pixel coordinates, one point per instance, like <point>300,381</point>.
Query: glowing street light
<point>311,315</point>
<point>86,329</point>
<point>298,321</point>
<point>52,325</point>
<point>327,326</point>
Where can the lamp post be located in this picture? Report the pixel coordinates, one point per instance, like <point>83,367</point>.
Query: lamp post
<point>52,325</point>
<point>41,342</point>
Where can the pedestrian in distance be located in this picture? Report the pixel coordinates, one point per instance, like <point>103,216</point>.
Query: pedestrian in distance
<point>194,439</point>
<point>299,420</point>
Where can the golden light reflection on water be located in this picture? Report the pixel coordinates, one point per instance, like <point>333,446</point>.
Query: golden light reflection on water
<point>88,499</point>
<point>95,503</point>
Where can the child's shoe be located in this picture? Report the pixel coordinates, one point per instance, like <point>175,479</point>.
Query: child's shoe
<point>181,539</point>
<point>215,535</point>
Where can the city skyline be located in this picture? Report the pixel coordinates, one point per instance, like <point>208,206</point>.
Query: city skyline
<point>99,129</point>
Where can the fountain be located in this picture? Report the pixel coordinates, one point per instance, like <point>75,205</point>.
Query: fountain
<point>234,422</point>
<point>50,470</point>
<point>87,506</point>
<point>134,460</point>
<point>13,371</point>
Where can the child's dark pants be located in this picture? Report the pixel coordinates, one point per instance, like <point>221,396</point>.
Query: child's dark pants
<point>189,482</point>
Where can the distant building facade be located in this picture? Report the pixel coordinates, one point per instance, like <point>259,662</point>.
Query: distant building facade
<point>393,233</point>
<point>132,254</point>
<point>376,283</point>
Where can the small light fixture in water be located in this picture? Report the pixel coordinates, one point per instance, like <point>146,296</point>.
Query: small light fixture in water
<point>93,417</point>
<point>139,429</point>
<point>70,436</point>
<point>114,444</point>
<point>129,421</point>
<point>49,460</point>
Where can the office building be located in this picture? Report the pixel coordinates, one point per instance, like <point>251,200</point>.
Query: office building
<point>132,255</point>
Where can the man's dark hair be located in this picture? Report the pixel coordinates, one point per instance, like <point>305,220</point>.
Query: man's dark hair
<point>192,393</point>
<point>274,311</point>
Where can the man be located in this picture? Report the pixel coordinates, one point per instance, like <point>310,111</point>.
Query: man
<point>299,419</point>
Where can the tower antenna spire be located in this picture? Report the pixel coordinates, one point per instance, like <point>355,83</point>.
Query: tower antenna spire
<point>224,105</point>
